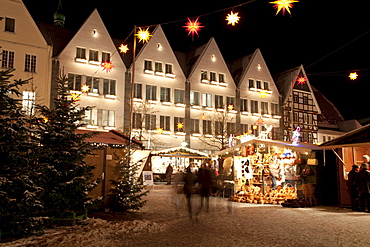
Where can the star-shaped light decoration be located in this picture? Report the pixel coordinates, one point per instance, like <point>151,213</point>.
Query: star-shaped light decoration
<point>85,88</point>
<point>143,35</point>
<point>123,48</point>
<point>230,107</point>
<point>193,26</point>
<point>45,119</point>
<point>203,117</point>
<point>263,93</point>
<point>353,76</point>
<point>232,18</point>
<point>107,66</point>
<point>159,130</point>
<point>260,121</point>
<point>75,97</point>
<point>301,80</point>
<point>283,5</point>
<point>180,125</point>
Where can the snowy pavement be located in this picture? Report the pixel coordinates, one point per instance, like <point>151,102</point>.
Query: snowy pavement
<point>163,221</point>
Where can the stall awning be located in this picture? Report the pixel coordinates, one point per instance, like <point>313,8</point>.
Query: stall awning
<point>355,138</point>
<point>180,152</point>
<point>111,137</point>
<point>300,147</point>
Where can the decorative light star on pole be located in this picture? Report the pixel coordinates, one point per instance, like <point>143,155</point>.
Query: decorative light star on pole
<point>232,18</point>
<point>193,26</point>
<point>143,35</point>
<point>283,5</point>
<point>107,66</point>
<point>85,88</point>
<point>353,76</point>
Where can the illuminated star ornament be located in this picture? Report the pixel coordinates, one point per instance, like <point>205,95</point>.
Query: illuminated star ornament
<point>159,130</point>
<point>301,80</point>
<point>193,26</point>
<point>75,97</point>
<point>353,76</point>
<point>143,35</point>
<point>230,107</point>
<point>263,93</point>
<point>85,88</point>
<point>107,66</point>
<point>123,48</point>
<point>232,18</point>
<point>180,125</point>
<point>283,5</point>
<point>260,121</point>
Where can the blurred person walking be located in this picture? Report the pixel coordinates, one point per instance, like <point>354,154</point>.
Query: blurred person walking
<point>363,186</point>
<point>205,183</point>
<point>189,188</point>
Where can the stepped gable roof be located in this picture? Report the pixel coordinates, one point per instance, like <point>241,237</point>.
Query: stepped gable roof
<point>56,36</point>
<point>330,115</point>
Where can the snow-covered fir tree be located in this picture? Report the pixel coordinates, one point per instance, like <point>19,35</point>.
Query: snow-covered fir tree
<point>128,192</point>
<point>67,178</point>
<point>19,202</point>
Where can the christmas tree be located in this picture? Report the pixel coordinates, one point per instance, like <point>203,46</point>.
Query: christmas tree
<point>19,193</point>
<point>128,191</point>
<point>67,178</point>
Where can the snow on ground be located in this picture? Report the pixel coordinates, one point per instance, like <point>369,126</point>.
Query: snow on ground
<point>163,221</point>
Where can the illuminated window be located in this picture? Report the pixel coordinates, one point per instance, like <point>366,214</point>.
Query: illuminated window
<point>28,102</point>
<point>207,100</point>
<point>91,117</point>
<point>194,98</point>
<point>93,83</point>
<point>264,107</point>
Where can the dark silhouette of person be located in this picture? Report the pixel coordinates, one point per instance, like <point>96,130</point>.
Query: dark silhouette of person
<point>351,188</point>
<point>190,179</point>
<point>205,183</point>
<point>363,186</point>
<point>169,171</point>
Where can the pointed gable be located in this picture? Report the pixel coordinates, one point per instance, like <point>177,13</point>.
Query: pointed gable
<point>159,50</point>
<point>288,80</point>
<point>208,60</point>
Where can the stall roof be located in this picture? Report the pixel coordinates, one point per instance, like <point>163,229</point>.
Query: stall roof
<point>180,151</point>
<point>111,137</point>
<point>355,138</point>
<point>301,147</point>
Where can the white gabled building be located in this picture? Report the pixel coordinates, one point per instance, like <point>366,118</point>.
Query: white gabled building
<point>257,95</point>
<point>79,55</point>
<point>23,48</point>
<point>158,94</point>
<point>211,113</point>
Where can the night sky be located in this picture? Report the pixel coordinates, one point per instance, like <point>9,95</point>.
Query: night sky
<point>329,38</point>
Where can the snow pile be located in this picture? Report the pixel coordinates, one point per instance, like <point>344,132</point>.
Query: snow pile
<point>89,232</point>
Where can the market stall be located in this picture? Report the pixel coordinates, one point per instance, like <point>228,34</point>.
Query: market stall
<point>267,171</point>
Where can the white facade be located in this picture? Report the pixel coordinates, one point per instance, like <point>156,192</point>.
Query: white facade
<point>259,97</point>
<point>81,61</point>
<point>24,49</point>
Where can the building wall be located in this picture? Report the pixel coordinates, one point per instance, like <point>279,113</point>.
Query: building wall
<point>26,39</point>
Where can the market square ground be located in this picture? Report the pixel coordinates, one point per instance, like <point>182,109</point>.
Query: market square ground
<point>164,222</point>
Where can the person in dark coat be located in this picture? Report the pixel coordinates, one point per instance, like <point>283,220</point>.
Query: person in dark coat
<point>351,188</point>
<point>189,188</point>
<point>169,172</point>
<point>363,186</point>
<point>205,183</point>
